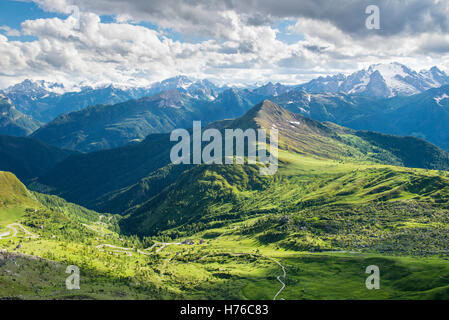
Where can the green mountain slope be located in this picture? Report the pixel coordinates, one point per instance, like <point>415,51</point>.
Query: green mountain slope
<point>413,152</point>
<point>326,140</point>
<point>13,192</point>
<point>113,180</point>
<point>99,173</point>
<point>41,235</point>
<point>331,165</point>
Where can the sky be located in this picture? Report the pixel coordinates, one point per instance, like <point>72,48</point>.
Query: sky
<point>138,42</point>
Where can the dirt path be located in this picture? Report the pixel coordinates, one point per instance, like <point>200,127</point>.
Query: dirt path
<point>279,278</point>
<point>128,250</point>
<point>284,273</point>
<point>13,227</point>
<point>93,229</point>
<point>164,244</point>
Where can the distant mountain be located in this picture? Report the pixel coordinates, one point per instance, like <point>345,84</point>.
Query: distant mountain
<point>340,108</point>
<point>271,90</point>
<point>379,80</point>
<point>39,100</point>
<point>13,122</point>
<point>235,102</point>
<point>34,89</point>
<point>103,126</point>
<point>28,158</point>
<point>424,115</point>
<point>45,101</point>
<point>199,89</point>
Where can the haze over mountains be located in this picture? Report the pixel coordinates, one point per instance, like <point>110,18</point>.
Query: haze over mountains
<point>13,122</point>
<point>45,101</point>
<point>389,98</point>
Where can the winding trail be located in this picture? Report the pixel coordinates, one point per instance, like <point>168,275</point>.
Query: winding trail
<point>94,229</point>
<point>279,278</point>
<point>12,227</point>
<point>164,244</point>
<point>127,250</point>
<point>284,273</point>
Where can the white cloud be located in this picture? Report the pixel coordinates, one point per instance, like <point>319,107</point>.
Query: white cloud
<point>241,45</point>
<point>204,16</point>
<point>120,52</point>
<point>10,32</point>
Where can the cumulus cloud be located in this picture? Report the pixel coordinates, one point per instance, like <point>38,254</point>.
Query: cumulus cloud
<point>10,32</point>
<point>120,52</point>
<point>240,40</point>
<point>400,16</point>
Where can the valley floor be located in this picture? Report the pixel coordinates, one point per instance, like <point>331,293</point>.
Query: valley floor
<point>309,232</point>
<point>217,264</point>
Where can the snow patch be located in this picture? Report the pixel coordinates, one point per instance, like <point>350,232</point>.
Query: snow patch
<point>440,98</point>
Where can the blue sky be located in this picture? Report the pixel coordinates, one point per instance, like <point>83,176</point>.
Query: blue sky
<point>13,13</point>
<point>137,42</point>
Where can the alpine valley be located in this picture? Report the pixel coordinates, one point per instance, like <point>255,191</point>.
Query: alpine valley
<point>363,179</point>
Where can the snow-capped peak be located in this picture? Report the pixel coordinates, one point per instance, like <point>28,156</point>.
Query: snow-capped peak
<point>380,80</point>
<point>36,88</point>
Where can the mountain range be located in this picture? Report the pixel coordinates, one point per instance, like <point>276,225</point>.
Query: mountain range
<point>99,127</point>
<point>384,98</point>
<point>379,80</point>
<point>423,115</point>
<point>107,126</point>
<point>45,101</point>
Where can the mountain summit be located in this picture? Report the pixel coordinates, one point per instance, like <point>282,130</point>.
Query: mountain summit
<point>380,80</point>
